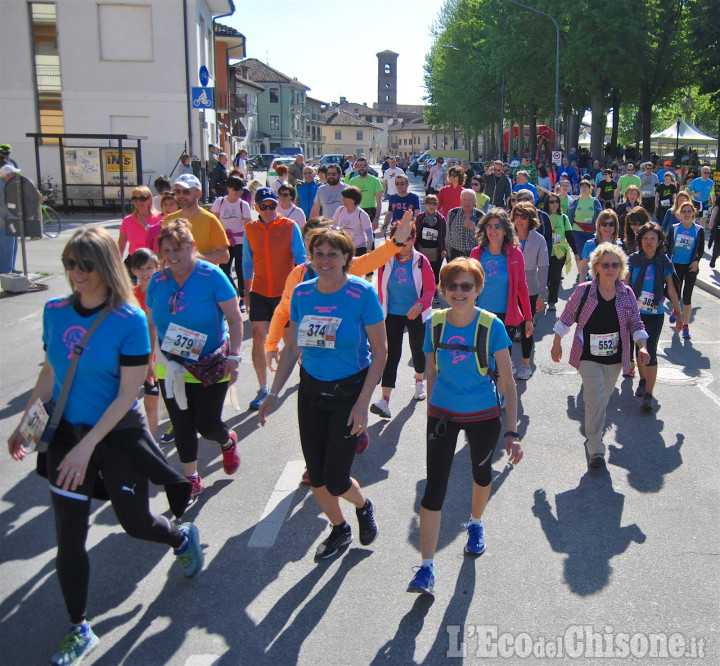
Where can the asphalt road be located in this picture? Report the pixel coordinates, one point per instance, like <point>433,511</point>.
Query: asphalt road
<point>620,565</point>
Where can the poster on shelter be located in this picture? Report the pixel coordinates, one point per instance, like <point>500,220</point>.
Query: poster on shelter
<point>82,166</point>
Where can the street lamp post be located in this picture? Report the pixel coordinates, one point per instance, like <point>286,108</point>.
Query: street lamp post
<point>557,62</point>
<point>678,120</point>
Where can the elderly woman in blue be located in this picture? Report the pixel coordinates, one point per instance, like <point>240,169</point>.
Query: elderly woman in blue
<point>336,321</point>
<point>195,310</point>
<point>101,444</point>
<point>465,346</point>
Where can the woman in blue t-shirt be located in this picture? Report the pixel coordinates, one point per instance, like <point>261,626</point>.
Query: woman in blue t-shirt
<point>102,444</point>
<point>462,395</point>
<point>195,310</point>
<point>337,323</point>
<point>649,273</point>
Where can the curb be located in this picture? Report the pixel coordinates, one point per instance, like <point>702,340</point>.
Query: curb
<point>708,287</point>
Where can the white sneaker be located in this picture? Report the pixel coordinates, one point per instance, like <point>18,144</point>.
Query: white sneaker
<point>420,391</point>
<point>524,372</point>
<point>381,408</point>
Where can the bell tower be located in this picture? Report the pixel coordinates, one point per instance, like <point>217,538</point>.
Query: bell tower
<point>387,81</point>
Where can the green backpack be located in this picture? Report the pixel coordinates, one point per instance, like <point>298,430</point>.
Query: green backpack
<point>481,348</point>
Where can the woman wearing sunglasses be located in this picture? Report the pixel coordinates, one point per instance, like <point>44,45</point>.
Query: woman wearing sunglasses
<point>608,325</point>
<point>463,395</point>
<point>606,232</point>
<point>534,249</point>
<point>505,293</point>
<point>563,248</point>
<point>134,227</point>
<point>102,443</point>
<point>194,308</point>
<point>686,246</point>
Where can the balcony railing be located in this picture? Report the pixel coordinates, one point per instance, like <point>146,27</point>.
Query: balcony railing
<point>234,102</point>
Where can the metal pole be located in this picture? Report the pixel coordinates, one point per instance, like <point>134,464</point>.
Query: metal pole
<point>557,61</point>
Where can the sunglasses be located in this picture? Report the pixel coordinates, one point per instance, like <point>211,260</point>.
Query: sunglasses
<point>270,206</point>
<point>553,201</point>
<point>634,224</point>
<point>173,302</point>
<point>465,287</point>
<point>82,266</point>
<point>607,224</point>
<point>686,211</point>
<point>474,183</point>
<point>284,194</point>
<point>144,197</point>
<point>607,264</point>
<point>180,193</point>
<point>494,226</point>
<point>524,216</point>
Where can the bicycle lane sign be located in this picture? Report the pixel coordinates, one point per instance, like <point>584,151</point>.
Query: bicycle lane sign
<point>202,98</point>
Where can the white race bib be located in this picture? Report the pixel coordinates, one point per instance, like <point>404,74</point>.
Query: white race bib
<point>317,331</point>
<point>557,238</point>
<point>183,342</point>
<point>33,425</point>
<point>665,203</point>
<point>685,241</point>
<point>646,303</point>
<point>604,344</point>
<point>429,234</point>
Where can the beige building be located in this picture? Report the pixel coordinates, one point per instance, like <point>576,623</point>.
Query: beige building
<point>414,136</point>
<point>347,133</point>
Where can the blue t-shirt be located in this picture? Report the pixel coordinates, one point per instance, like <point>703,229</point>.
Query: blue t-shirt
<point>331,327</point>
<point>646,301</point>
<point>195,303</point>
<point>397,205</point>
<point>527,186</point>
<point>124,332</point>
<point>459,387</point>
<point>685,240</point>
<point>702,189</point>
<point>494,296</point>
<point>401,292</point>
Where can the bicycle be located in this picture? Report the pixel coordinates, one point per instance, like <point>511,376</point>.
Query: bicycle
<point>52,225</point>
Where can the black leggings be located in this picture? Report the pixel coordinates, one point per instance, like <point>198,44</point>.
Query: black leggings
<point>395,328</point>
<point>328,446</point>
<point>688,277</point>
<point>203,415</point>
<point>127,485</point>
<point>441,441</point>
<point>236,258</point>
<point>555,278</point>
<point>526,344</point>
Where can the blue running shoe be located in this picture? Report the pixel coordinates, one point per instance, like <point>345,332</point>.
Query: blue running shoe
<point>259,399</point>
<point>190,556</point>
<point>673,317</point>
<point>168,437</point>
<point>476,539</point>
<point>77,644</point>
<point>423,582</point>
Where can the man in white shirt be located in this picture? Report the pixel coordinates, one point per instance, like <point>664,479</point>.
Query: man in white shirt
<point>389,177</point>
<point>437,177</point>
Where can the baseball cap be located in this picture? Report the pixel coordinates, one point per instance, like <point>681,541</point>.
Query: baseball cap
<point>187,180</point>
<point>265,193</point>
<point>7,170</point>
<point>668,163</point>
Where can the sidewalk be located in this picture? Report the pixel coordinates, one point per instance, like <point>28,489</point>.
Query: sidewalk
<point>708,278</point>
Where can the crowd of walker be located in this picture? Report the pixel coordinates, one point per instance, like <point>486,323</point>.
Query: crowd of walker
<point>493,246</point>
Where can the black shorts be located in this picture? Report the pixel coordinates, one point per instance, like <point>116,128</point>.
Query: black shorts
<point>262,307</point>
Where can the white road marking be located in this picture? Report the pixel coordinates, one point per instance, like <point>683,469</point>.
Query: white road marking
<point>276,509</point>
<point>202,659</point>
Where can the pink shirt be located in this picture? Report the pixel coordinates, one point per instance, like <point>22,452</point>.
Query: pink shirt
<point>135,231</point>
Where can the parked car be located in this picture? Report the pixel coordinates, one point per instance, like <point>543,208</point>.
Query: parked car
<point>328,159</point>
<point>262,162</point>
<point>272,174</point>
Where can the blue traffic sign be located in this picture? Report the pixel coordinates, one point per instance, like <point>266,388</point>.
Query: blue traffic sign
<point>202,98</point>
<point>204,76</point>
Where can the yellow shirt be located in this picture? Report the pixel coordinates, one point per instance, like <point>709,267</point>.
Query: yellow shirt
<point>206,229</point>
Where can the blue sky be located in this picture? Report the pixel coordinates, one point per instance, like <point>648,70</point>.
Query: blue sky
<point>331,45</point>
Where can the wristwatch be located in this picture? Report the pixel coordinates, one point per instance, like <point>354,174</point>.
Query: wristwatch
<point>234,357</point>
<point>513,434</point>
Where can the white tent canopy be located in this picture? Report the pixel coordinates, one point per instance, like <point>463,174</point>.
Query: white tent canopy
<point>688,135</point>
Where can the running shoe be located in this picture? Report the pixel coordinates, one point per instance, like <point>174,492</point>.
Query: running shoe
<point>305,478</point>
<point>363,441</point>
<point>381,408</point>
<point>339,538</point>
<point>168,437</point>
<point>597,461</point>
<point>420,391</point>
<point>423,581</point>
<point>197,486</point>
<point>231,459</point>
<point>243,309</point>
<point>631,374</point>
<point>259,399</point>
<point>476,539</point>
<point>640,390</point>
<point>190,556</point>
<point>673,317</point>
<point>436,301</point>
<point>551,307</point>
<point>524,372</point>
<point>79,642</point>
<point>367,524</point>
<point>686,333</point>
<point>647,403</point>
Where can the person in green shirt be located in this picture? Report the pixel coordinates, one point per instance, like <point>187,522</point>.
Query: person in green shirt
<point>583,213</point>
<point>626,179</point>
<point>371,188</point>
